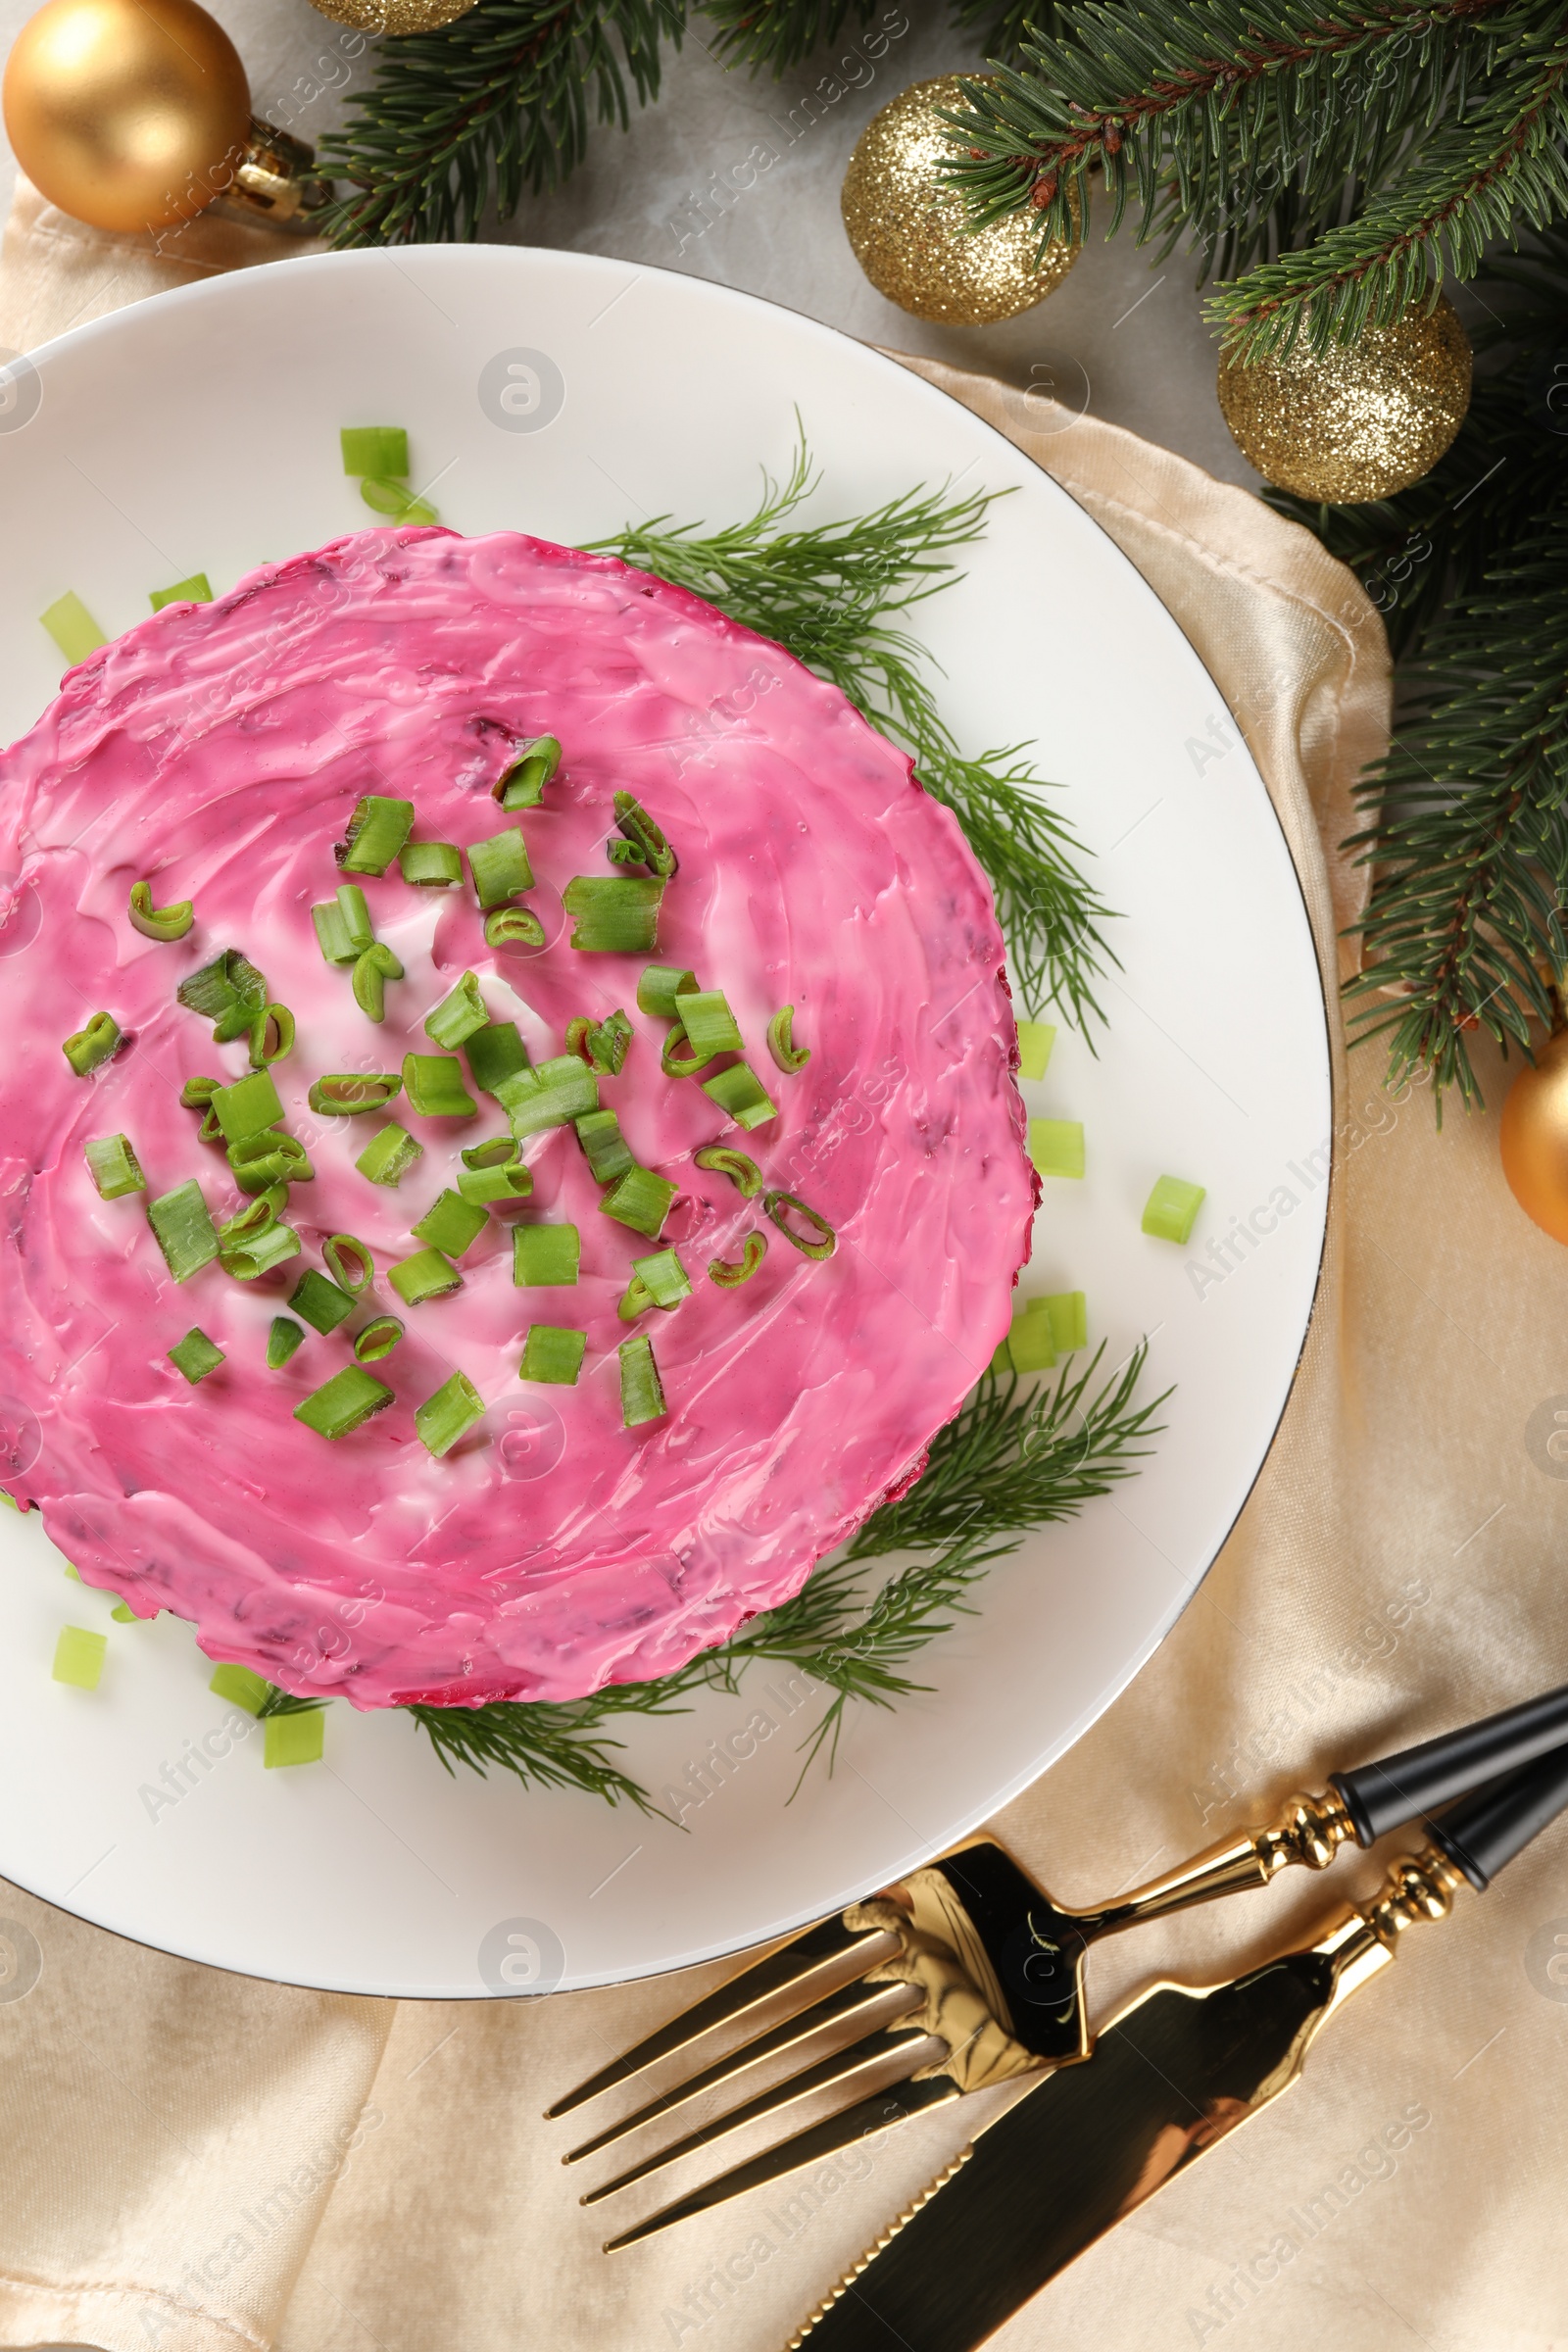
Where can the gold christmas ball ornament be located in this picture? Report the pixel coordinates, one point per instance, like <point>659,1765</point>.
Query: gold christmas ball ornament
<point>125,113</point>
<point>1533,1138</point>
<point>1359,422</point>
<point>906,223</point>
<point>394,17</point>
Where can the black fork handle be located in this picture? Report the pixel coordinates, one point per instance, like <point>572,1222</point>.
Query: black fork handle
<point>1380,1797</point>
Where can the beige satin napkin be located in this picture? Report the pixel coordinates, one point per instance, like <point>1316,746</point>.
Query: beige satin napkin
<point>197,2162</point>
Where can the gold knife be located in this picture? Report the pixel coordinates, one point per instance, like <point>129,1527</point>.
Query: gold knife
<point>1172,2072</point>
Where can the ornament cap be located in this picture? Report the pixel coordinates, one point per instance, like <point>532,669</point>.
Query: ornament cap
<point>275,181</point>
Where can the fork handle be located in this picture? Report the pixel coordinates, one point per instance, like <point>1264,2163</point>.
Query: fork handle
<point>1380,1797</point>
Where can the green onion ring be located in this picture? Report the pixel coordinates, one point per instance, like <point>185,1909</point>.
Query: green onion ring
<point>371,972</point>
<point>514,927</point>
<point>271,1036</point>
<point>344,1094</point>
<point>743,1173</point>
<point>781,1045</point>
<point>730,1273</point>
<point>92,1046</point>
<point>164,924</point>
<point>774,1205</point>
<point>377,1339</point>
<point>349,1262</point>
<point>674,1064</point>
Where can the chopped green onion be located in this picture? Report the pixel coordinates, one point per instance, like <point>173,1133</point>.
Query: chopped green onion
<point>739,1091</point>
<point>243,1688</point>
<point>489,1186</point>
<point>496,1152</point>
<point>89,1049</point>
<point>658,988</point>
<point>514,927</point>
<point>349,1262</point>
<point>1069,1322</point>
<point>553,1354</point>
<point>197,1092</point>
<point>607,1150</point>
<point>247,1107</point>
<point>195,1355</point>
<point>1056,1147</point>
<point>299,1737</point>
<point>642,1392</point>
<point>601,1045</point>
<point>73,628</point>
<point>431,864</point>
<point>641,1199</point>
<point>371,972</point>
<point>396,498</point>
<point>743,1173</point>
<point>425,1274</point>
<point>194,591</point>
<point>495,1052</point>
<point>614,917</point>
<point>730,1273</point>
<point>548,1095</point>
<point>1168,1213</point>
<point>229,992</point>
<point>254,1218</point>
<point>1030,1345</point>
<point>377,829</point>
<point>164,924</point>
<point>346,1093</point>
<point>114,1166</point>
<point>377,1340</point>
<point>459,1014</point>
<point>261,1252</point>
<point>636,1299</point>
<point>344,928</point>
<point>1034,1040</point>
<point>442,1419</point>
<point>775,1205</point>
<point>342,1403</point>
<point>283,1337</point>
<point>183,1230</point>
<point>271,1036</point>
<point>781,1042</point>
<point>389,1154</point>
<point>644,840</point>
<point>267,1159</point>
<point>671,1060</point>
<point>123,1615</point>
<point>709,1025</point>
<point>273,1196</point>
<point>433,1084</point>
<point>545,1256</point>
<point>319,1303</point>
<point>500,868</point>
<point>79,1657</point>
<point>522,785</point>
<point>451,1224</point>
<point>381,449</point>
<point>332,935</point>
<point>662,1280</point>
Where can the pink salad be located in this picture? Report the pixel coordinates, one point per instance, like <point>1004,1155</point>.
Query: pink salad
<point>218,752</point>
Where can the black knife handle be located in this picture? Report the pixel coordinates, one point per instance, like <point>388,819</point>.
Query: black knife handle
<point>1380,1797</point>
<point>1485,1831</point>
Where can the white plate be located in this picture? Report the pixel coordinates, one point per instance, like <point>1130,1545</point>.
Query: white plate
<point>198,432</point>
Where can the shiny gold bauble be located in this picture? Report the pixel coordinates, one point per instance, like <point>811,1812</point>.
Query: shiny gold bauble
<point>1363,421</point>
<point>394,17</point>
<point>128,114</point>
<point>906,223</point>
<point>1533,1138</point>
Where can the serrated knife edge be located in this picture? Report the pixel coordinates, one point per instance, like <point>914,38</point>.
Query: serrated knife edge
<point>809,2323</point>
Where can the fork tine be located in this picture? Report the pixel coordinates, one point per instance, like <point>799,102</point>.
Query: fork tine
<point>894,2104</point>
<point>912,2046</point>
<point>852,2004</point>
<point>825,1950</point>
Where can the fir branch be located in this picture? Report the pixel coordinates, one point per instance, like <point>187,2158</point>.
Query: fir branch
<point>1471,831</point>
<point>1004,26</point>
<point>830,592</point>
<point>488,108</point>
<point>769,36</point>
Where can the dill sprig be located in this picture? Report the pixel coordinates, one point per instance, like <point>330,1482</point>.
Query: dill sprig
<point>1012,1459</point>
<point>284,1702</point>
<point>832,593</point>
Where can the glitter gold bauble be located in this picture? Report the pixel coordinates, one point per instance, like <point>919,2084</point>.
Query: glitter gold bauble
<point>122,112</point>
<point>906,223</point>
<point>1359,422</point>
<point>394,17</point>
<point>1533,1138</point>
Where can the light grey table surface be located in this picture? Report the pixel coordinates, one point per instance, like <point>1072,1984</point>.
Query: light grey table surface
<point>1124,337</point>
